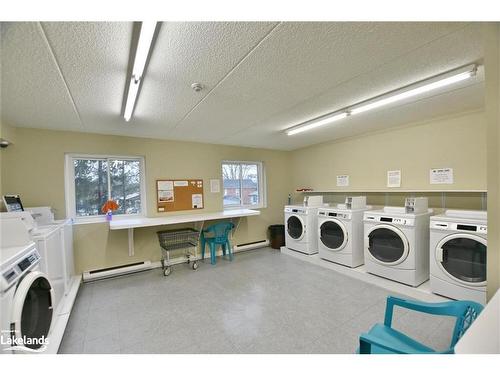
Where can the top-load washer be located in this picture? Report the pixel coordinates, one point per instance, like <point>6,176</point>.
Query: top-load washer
<point>396,242</point>
<point>300,229</point>
<point>458,244</point>
<point>340,232</point>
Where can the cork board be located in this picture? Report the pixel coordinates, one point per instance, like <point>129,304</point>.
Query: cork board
<point>179,195</point>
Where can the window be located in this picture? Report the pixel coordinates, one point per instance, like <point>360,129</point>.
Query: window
<point>92,180</point>
<point>243,184</point>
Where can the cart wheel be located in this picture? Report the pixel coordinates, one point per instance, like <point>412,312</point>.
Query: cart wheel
<point>195,266</point>
<point>167,271</point>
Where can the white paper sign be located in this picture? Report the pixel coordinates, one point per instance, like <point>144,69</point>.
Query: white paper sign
<point>181,183</point>
<point>197,200</point>
<point>215,186</point>
<point>343,180</point>
<point>165,185</point>
<point>441,176</point>
<point>394,178</point>
<point>165,195</point>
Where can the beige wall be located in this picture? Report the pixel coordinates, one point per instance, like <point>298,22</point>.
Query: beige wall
<point>457,142</point>
<point>34,168</point>
<point>8,133</point>
<point>492,71</point>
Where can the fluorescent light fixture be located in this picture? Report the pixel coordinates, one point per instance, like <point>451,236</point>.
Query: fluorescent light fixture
<point>419,88</point>
<point>416,90</point>
<point>141,55</point>
<point>133,89</point>
<point>321,121</point>
<point>143,46</point>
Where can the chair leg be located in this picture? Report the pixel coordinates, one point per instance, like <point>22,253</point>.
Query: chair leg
<point>229,250</point>
<point>212,253</point>
<point>202,245</point>
<point>223,246</point>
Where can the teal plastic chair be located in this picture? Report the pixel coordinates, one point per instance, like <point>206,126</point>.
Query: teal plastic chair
<point>218,234</point>
<point>383,339</point>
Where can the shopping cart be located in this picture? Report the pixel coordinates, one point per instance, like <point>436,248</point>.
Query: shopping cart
<point>186,238</point>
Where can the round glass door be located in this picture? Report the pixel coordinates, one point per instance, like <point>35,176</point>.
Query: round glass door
<point>464,258</point>
<point>333,235</point>
<point>295,227</point>
<point>33,309</point>
<point>387,245</point>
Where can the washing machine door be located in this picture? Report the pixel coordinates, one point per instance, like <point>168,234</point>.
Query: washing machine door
<point>387,245</point>
<point>295,227</point>
<point>32,311</point>
<point>333,234</point>
<point>462,257</point>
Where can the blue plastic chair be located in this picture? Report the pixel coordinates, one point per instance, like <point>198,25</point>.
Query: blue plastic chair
<point>382,339</point>
<point>218,235</point>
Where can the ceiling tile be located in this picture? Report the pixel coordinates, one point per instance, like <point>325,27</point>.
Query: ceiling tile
<point>33,91</point>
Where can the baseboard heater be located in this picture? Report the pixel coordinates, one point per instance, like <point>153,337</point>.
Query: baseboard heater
<point>251,245</point>
<point>106,273</point>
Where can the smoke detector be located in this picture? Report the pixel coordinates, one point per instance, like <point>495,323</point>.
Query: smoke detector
<point>197,86</point>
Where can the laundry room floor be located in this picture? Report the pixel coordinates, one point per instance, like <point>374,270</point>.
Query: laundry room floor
<point>262,302</point>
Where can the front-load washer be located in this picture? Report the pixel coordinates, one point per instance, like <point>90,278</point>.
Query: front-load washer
<point>300,229</point>
<point>458,244</point>
<point>396,242</point>
<point>26,301</point>
<point>340,232</point>
<point>49,240</point>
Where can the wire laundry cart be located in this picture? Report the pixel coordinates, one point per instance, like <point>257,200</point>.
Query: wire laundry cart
<point>174,239</point>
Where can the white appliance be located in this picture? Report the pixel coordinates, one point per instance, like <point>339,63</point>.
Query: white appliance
<point>49,241</point>
<point>300,229</point>
<point>458,244</point>
<point>396,242</point>
<point>44,218</point>
<point>340,232</point>
<point>26,295</point>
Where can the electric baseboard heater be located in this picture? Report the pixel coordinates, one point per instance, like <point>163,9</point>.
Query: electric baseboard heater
<point>106,273</point>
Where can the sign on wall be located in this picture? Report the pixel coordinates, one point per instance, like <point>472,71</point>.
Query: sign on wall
<point>394,179</point>
<point>441,176</point>
<point>343,180</point>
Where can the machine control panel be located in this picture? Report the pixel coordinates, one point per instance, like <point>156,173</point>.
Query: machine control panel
<point>341,215</point>
<point>296,210</point>
<point>390,219</point>
<point>11,272</point>
<point>461,227</point>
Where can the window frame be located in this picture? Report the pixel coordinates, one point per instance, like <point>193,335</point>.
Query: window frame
<point>69,182</point>
<point>262,185</point>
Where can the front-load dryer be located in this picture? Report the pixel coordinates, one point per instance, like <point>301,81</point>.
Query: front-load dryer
<point>26,301</point>
<point>396,242</point>
<point>458,244</point>
<point>300,229</point>
<point>340,232</point>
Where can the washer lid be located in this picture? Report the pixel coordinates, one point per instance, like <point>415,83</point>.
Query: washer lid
<point>462,257</point>
<point>295,227</point>
<point>387,244</point>
<point>333,234</point>
<point>32,311</point>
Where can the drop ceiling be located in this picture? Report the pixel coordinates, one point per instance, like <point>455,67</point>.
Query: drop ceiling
<point>259,78</point>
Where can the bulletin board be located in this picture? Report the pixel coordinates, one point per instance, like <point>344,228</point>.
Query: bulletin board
<point>179,195</point>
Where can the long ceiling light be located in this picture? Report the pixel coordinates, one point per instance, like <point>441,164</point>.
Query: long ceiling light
<point>389,98</point>
<point>141,55</point>
<point>322,121</point>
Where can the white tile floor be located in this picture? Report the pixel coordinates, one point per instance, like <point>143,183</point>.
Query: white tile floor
<point>262,302</point>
